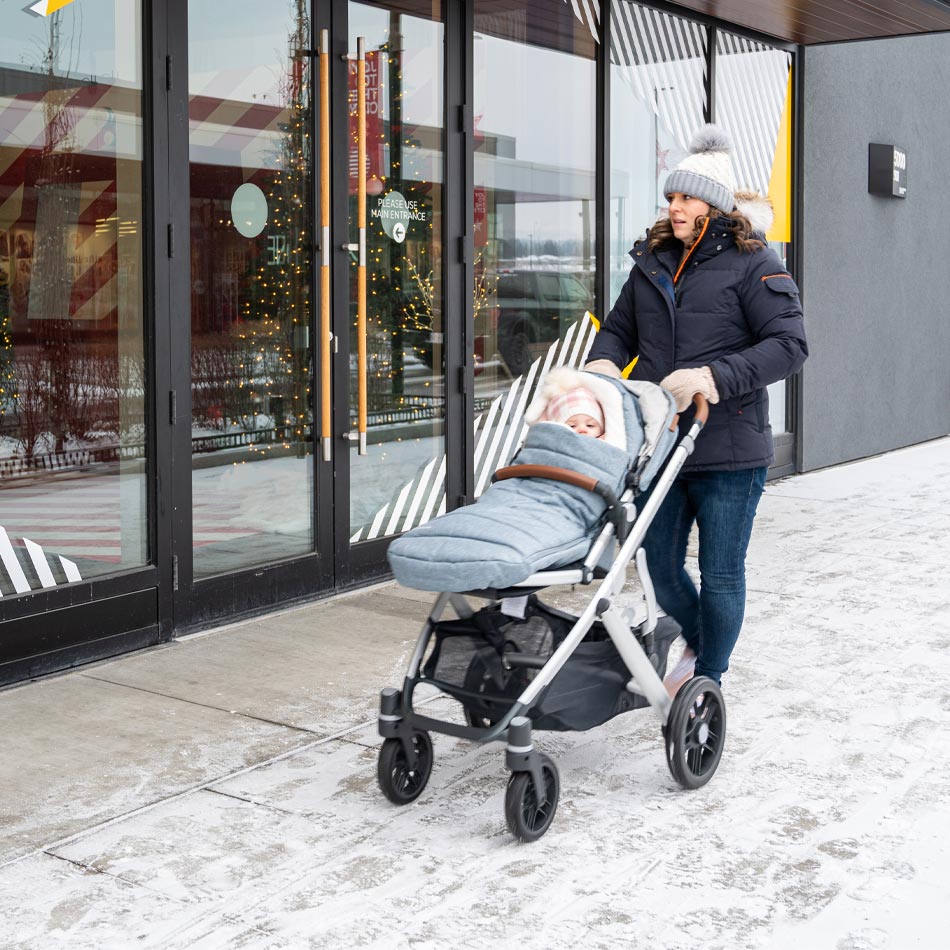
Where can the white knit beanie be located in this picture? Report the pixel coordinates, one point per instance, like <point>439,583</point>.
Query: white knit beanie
<point>706,172</point>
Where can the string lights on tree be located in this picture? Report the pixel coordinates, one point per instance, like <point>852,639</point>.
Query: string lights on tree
<point>272,373</point>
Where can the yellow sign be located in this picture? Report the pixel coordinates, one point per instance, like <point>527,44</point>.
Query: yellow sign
<point>46,7</point>
<point>780,183</point>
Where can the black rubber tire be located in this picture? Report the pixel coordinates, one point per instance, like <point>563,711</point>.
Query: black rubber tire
<point>514,344</point>
<point>399,783</point>
<point>526,820</point>
<point>696,732</point>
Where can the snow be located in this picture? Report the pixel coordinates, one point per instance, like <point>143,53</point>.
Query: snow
<point>826,826</point>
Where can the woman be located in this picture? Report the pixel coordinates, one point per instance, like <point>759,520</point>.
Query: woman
<point>708,308</point>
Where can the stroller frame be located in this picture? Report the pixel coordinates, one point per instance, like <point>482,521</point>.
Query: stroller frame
<point>693,723</point>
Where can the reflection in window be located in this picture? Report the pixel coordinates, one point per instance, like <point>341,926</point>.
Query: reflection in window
<point>753,97</point>
<point>534,183</point>
<point>249,148</point>
<point>657,101</point>
<point>404,182</point>
<point>72,373</point>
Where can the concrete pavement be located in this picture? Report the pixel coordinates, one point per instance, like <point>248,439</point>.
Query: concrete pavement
<point>220,791</point>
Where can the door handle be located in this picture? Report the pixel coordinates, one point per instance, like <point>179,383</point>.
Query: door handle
<point>361,230</point>
<point>325,330</point>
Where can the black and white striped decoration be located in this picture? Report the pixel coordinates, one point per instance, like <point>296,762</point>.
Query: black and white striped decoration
<point>751,87</point>
<point>14,570</point>
<point>499,432</point>
<point>664,62</point>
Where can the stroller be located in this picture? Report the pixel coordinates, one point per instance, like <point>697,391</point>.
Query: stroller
<point>515,663</point>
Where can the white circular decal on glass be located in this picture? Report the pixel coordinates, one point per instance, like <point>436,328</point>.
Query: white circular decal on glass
<point>396,214</point>
<point>249,210</point>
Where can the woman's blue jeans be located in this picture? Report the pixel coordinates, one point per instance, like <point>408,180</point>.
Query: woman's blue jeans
<point>723,506</point>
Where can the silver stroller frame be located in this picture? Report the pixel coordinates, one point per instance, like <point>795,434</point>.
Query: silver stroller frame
<point>693,724</point>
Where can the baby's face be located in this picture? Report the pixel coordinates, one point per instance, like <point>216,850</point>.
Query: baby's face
<point>585,425</point>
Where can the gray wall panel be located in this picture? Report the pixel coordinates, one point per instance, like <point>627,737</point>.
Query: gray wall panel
<point>875,271</point>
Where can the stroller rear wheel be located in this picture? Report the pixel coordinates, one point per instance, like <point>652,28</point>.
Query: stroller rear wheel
<point>695,732</point>
<point>400,782</point>
<point>528,820</point>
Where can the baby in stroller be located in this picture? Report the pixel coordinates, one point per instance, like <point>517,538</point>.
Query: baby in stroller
<point>562,513</point>
<point>528,520</point>
<point>579,410</point>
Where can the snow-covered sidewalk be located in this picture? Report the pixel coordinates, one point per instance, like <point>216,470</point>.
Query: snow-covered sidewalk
<point>221,792</point>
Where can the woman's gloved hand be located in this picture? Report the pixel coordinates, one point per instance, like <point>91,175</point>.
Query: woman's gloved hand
<point>683,384</point>
<point>604,367</point>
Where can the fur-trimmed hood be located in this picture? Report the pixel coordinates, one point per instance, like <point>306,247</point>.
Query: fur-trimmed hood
<point>757,209</point>
<point>562,380</point>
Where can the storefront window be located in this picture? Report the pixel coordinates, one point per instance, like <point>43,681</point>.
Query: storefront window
<point>72,368</point>
<point>753,97</point>
<point>657,101</point>
<point>535,175</point>
<point>251,238</point>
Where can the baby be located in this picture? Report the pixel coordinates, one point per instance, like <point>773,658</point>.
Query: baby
<point>579,410</point>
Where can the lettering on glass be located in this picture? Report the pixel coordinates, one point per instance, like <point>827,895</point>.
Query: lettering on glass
<point>276,249</point>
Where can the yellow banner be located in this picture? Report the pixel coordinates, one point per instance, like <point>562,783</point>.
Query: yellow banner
<point>780,182</point>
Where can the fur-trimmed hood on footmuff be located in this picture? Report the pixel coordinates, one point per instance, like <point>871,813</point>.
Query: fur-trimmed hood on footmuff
<point>564,380</point>
<point>523,525</point>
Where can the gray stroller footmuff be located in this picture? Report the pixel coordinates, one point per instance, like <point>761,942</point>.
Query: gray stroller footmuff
<point>523,525</point>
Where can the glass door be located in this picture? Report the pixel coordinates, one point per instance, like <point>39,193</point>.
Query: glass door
<point>250,154</point>
<point>389,307</point>
<point>317,398</point>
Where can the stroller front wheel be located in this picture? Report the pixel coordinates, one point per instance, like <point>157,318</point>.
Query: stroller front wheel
<point>695,732</point>
<point>527,819</point>
<point>401,782</point>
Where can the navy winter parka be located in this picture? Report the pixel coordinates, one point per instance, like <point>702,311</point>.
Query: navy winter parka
<point>737,313</point>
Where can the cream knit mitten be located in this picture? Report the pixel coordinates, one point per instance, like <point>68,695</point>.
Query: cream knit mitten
<point>604,367</point>
<point>684,383</point>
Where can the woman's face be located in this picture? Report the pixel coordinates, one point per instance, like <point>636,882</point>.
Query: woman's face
<point>684,210</point>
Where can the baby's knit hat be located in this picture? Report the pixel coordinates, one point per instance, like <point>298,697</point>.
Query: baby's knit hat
<point>706,172</point>
<point>572,403</point>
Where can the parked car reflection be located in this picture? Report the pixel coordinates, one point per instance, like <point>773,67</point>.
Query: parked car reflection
<point>533,308</point>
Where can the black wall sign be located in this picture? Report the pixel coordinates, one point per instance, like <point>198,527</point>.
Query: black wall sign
<point>887,171</point>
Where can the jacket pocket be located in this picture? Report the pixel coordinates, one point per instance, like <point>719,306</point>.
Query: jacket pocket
<point>780,284</point>
<point>752,407</point>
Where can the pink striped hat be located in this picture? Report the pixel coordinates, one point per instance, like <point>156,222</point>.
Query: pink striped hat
<point>574,402</point>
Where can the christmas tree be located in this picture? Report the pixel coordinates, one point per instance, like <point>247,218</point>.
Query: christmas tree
<point>403,284</point>
<point>272,352</point>
<point>8,387</point>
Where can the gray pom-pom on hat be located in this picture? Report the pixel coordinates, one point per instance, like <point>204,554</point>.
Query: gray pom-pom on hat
<point>707,172</point>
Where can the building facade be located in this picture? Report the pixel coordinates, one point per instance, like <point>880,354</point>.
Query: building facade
<point>277,280</point>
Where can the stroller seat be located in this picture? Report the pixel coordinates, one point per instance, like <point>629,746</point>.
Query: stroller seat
<point>521,526</point>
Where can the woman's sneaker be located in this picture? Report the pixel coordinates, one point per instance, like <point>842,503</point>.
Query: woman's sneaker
<point>680,673</point>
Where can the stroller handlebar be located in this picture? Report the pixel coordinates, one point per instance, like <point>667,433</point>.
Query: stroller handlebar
<point>702,408</point>
<point>702,412</point>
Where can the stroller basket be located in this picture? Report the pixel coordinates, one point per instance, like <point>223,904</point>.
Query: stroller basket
<point>487,660</point>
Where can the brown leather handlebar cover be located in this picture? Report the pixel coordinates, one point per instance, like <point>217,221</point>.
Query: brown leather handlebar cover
<point>549,472</point>
<point>702,408</point>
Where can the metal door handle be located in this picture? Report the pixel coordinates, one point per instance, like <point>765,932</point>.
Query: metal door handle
<point>361,229</point>
<point>325,330</point>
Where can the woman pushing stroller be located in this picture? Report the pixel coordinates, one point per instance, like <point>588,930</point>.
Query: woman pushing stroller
<point>708,308</point>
